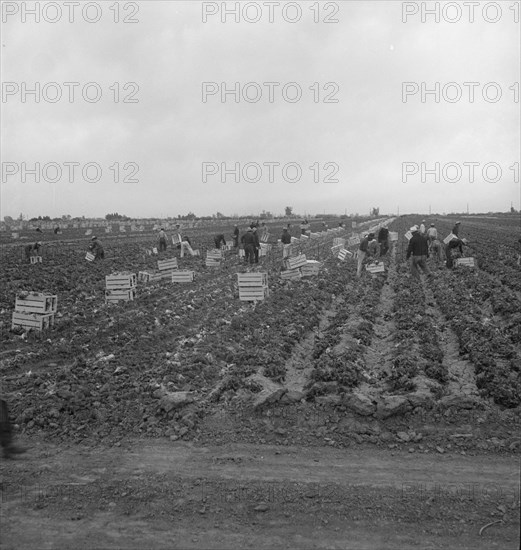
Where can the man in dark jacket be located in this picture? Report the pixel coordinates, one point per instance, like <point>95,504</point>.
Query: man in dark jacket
<point>383,240</point>
<point>219,240</point>
<point>367,248</point>
<point>235,236</point>
<point>32,250</point>
<point>451,251</point>
<point>96,248</point>
<point>419,250</point>
<point>248,240</point>
<point>456,228</point>
<point>6,433</point>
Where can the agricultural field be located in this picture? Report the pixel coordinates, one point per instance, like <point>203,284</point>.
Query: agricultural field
<point>380,389</point>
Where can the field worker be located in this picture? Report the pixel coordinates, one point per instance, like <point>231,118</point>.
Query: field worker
<point>256,244</point>
<point>303,227</point>
<point>421,229</point>
<point>436,249</point>
<point>6,433</point>
<point>32,250</point>
<point>264,231</point>
<point>219,240</point>
<point>248,240</point>
<point>419,250</point>
<point>96,248</point>
<point>235,236</point>
<point>454,249</point>
<point>432,233</point>
<point>364,250</point>
<point>456,228</point>
<point>162,239</point>
<point>57,230</point>
<point>383,240</point>
<point>285,239</point>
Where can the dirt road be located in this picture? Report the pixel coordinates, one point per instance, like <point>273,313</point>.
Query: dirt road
<point>157,494</point>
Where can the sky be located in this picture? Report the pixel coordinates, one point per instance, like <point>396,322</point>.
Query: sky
<point>146,130</point>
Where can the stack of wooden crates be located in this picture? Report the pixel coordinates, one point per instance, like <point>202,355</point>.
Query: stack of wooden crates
<point>34,310</point>
<point>253,286</point>
<point>120,286</point>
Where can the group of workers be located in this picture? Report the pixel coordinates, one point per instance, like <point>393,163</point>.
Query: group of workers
<point>424,243</point>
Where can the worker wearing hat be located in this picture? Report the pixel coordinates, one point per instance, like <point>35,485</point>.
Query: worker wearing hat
<point>368,247</point>
<point>248,240</point>
<point>421,229</point>
<point>96,248</point>
<point>32,250</point>
<point>456,228</point>
<point>418,249</point>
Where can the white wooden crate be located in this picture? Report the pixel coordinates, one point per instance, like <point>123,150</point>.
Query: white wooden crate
<point>353,241</point>
<point>314,235</point>
<point>253,294</point>
<point>375,268</point>
<point>143,277</point>
<point>294,240</point>
<point>210,262</point>
<point>291,274</point>
<point>449,238</point>
<point>252,279</point>
<point>164,265</point>
<point>32,320</point>
<point>215,254</point>
<point>295,262</point>
<point>36,302</point>
<point>90,257</point>
<point>36,259</point>
<point>265,238</point>
<point>311,268</point>
<point>344,254</point>
<point>468,262</point>
<point>408,235</point>
<point>183,276</point>
<point>393,236</point>
<point>120,281</point>
<point>120,294</point>
<point>339,241</point>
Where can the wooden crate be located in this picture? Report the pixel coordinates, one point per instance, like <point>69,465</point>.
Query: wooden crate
<point>353,241</point>
<point>291,274</point>
<point>339,241</point>
<point>375,268</point>
<point>314,235</point>
<point>160,275</point>
<point>88,232</point>
<point>297,261</point>
<point>117,295</point>
<point>36,259</point>
<point>468,262</point>
<point>36,302</point>
<point>252,279</point>
<point>90,257</point>
<point>143,277</point>
<point>32,321</point>
<point>408,235</point>
<point>164,265</point>
<point>294,240</point>
<point>336,249</point>
<point>449,238</point>
<point>212,263</point>
<point>344,254</point>
<point>120,281</point>
<point>311,268</point>
<point>304,238</point>
<point>183,276</point>
<point>253,294</point>
<point>215,254</point>
<point>265,238</point>
<point>393,236</point>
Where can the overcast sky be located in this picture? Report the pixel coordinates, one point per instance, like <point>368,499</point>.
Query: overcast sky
<point>169,132</point>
